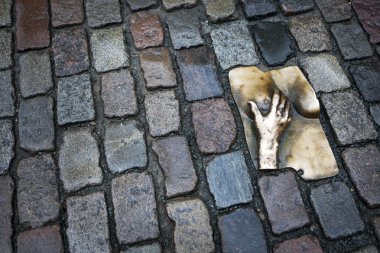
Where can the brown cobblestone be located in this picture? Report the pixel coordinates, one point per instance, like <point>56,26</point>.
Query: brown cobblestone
<point>68,12</point>
<point>303,244</point>
<point>42,240</point>
<point>146,30</point>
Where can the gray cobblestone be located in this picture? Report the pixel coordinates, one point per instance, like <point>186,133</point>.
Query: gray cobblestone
<point>258,8</point>
<point>369,249</point>
<point>7,108</point>
<point>376,226</point>
<point>5,13</point>
<point>5,48</point>
<point>152,248</point>
<point>125,146</point>
<point>7,143</point>
<point>134,202</point>
<point>375,113</point>
<point>174,4</point>
<point>42,240</point>
<point>79,160</point>
<point>334,10</point>
<point>366,77</point>
<point>140,4</point>
<point>87,230</point>
<point>37,190</point>
<point>218,10</point>
<point>6,213</point>
<point>291,7</point>
<point>102,12</point>
<point>35,73</point>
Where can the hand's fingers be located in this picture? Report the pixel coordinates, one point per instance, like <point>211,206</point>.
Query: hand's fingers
<point>281,105</point>
<point>255,110</point>
<point>275,100</point>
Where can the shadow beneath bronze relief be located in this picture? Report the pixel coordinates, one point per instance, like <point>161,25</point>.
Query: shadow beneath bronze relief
<point>280,114</point>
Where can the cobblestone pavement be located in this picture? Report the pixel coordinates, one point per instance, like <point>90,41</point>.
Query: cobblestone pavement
<point>119,133</point>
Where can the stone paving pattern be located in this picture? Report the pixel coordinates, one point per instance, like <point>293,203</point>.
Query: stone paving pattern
<point>118,131</point>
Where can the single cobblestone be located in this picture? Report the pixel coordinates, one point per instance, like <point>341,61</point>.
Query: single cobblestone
<point>157,68</point>
<point>366,78</point>
<point>32,24</point>
<point>42,240</point>
<point>310,33</point>
<point>134,203</point>
<point>118,94</point>
<point>102,12</point>
<point>125,146</point>
<point>70,51</point>
<point>376,226</point>
<point>37,190</point>
<point>242,232</point>
<point>375,113</point>
<point>258,8</point>
<point>348,117</point>
<point>108,49</point>
<point>152,248</point>
<point>7,107</point>
<point>68,12</point>
<point>228,179</point>
<point>175,4</point>
<point>184,29</point>
<point>233,45</point>
<point>199,74</point>
<point>336,210</point>
<point>325,73</point>
<point>351,40</point>
<point>5,48</point>
<point>162,112</point>
<point>146,30</point>
<point>214,125</point>
<point>5,13</point>
<point>334,10</point>
<point>74,101</point>
<point>304,244</point>
<point>36,124</point>
<point>218,10</point>
<point>363,165</point>
<point>275,46</point>
<point>370,21</point>
<point>192,224</point>
<point>35,73</point>
<point>6,214</point>
<point>291,7</point>
<point>175,160</point>
<point>87,229</point>
<point>79,160</point>
<point>140,4</point>
<point>7,143</point>
<point>283,202</point>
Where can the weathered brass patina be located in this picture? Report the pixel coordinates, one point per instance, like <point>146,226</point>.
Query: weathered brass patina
<point>290,125</point>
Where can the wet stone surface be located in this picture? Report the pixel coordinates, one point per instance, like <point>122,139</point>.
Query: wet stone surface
<point>258,8</point>
<point>275,47</point>
<point>218,10</point>
<point>7,107</point>
<point>291,7</point>
<point>375,113</point>
<point>118,94</point>
<point>74,101</point>
<point>184,29</point>
<point>366,11</point>
<point>174,4</point>
<point>199,75</point>
<point>283,202</point>
<point>36,124</point>
<point>134,221</point>
<point>87,229</point>
<point>348,117</point>
<point>304,244</point>
<point>162,112</point>
<point>367,78</point>
<point>175,160</point>
<point>233,45</point>
<point>228,179</point>
<point>5,48</point>
<point>140,4</point>
<point>6,214</point>
<point>124,146</point>
<point>351,40</point>
<point>68,12</point>
<point>157,68</point>
<point>42,240</point>
<point>37,190</point>
<point>242,231</point>
<point>7,143</point>
<point>79,160</point>
<point>70,51</point>
<point>32,24</point>
<point>334,10</point>
<point>192,224</point>
<point>325,73</point>
<point>363,165</point>
<point>146,30</point>
<point>336,210</point>
<point>310,33</point>
<point>152,248</point>
<point>35,73</point>
<point>5,13</point>
<point>102,12</point>
<point>108,49</point>
<point>214,125</point>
